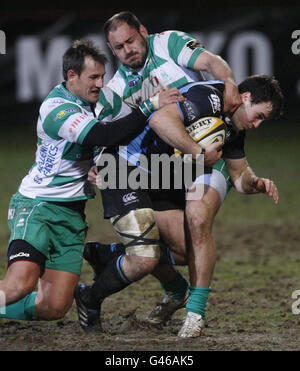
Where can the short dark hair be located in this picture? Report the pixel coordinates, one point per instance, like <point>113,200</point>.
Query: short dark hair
<point>264,88</point>
<point>74,57</point>
<point>119,18</point>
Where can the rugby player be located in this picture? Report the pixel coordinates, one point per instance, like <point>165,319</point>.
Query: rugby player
<point>46,215</point>
<point>160,62</point>
<point>150,63</point>
<point>156,63</point>
<point>262,100</point>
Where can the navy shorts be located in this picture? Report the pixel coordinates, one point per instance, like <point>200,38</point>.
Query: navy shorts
<point>121,200</point>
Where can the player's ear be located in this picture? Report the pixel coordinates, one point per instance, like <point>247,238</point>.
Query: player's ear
<point>143,31</point>
<point>246,96</point>
<point>71,74</point>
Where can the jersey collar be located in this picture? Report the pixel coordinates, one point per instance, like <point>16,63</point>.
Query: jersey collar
<point>70,96</point>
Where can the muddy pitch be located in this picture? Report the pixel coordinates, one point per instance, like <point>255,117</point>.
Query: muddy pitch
<point>249,307</point>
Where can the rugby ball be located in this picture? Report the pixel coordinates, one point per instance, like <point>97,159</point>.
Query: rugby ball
<point>205,131</point>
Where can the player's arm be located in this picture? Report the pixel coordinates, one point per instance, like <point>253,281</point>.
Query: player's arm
<point>245,180</point>
<point>168,125</point>
<point>220,69</point>
<point>108,134</point>
<point>76,126</point>
<point>128,125</point>
<point>188,52</point>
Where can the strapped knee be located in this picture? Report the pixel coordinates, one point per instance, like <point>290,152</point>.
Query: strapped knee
<point>139,232</point>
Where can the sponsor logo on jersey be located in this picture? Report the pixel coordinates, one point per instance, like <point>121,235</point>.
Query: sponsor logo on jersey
<point>194,44</point>
<point>215,103</point>
<point>60,114</point>
<point>48,153</point>
<point>64,112</point>
<point>19,255</point>
<point>135,81</point>
<point>129,198</point>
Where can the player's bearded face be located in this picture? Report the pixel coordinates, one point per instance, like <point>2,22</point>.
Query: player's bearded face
<point>129,45</point>
<point>136,58</point>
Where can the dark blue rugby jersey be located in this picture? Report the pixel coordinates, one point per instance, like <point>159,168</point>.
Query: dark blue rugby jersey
<point>204,98</point>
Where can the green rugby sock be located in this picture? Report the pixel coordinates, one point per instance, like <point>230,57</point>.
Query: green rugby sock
<point>22,309</point>
<point>197,300</point>
<point>176,288</point>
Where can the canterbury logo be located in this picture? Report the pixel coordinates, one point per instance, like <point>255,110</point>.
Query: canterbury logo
<point>215,103</point>
<point>19,255</point>
<point>129,197</point>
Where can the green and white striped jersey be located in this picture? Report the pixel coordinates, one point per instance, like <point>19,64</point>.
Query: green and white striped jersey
<point>61,161</point>
<point>168,52</point>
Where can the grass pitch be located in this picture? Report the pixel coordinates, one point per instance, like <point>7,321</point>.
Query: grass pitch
<point>257,270</point>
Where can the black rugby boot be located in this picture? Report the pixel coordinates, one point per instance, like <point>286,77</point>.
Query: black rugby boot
<point>88,316</point>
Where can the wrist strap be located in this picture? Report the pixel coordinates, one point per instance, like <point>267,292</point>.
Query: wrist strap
<point>147,107</point>
<point>155,101</point>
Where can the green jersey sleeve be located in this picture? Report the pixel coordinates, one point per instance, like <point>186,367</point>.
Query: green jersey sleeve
<point>68,121</point>
<point>183,48</point>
